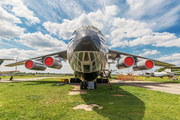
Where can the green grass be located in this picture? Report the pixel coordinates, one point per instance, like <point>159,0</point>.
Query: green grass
<point>17,77</point>
<point>30,76</point>
<point>158,79</point>
<point>44,100</point>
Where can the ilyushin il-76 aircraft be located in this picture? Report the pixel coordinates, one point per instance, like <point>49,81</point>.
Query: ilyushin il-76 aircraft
<point>88,53</point>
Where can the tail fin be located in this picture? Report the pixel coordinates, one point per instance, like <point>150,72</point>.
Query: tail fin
<point>167,70</point>
<point>1,61</point>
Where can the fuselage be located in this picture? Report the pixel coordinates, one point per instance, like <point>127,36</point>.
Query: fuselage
<point>87,52</point>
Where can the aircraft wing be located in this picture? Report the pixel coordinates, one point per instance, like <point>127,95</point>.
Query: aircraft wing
<point>6,59</point>
<point>8,71</point>
<point>114,54</point>
<point>62,54</point>
<point>173,67</point>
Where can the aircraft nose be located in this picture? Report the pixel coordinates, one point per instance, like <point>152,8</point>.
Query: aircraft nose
<point>87,43</point>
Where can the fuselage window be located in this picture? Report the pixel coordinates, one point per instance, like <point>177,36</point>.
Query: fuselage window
<point>86,58</point>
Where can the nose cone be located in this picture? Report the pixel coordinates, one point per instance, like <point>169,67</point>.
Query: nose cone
<point>87,44</point>
<point>87,40</point>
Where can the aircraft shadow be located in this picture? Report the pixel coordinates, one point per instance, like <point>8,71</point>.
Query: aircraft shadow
<point>124,106</point>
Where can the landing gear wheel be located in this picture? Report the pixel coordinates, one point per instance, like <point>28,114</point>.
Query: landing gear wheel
<point>85,85</point>
<point>81,85</point>
<point>71,80</point>
<point>95,85</point>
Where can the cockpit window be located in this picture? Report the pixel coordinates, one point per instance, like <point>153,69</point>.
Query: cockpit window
<point>95,28</point>
<point>87,27</point>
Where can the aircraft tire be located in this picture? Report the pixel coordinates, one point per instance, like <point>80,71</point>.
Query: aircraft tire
<point>105,80</point>
<point>95,85</point>
<point>85,85</point>
<point>81,85</point>
<point>97,80</point>
<point>71,80</point>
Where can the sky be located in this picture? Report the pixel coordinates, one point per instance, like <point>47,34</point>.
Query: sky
<point>30,28</point>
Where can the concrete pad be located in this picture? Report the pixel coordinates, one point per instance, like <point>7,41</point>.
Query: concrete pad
<point>23,79</point>
<point>173,88</point>
<point>87,107</point>
<point>76,90</point>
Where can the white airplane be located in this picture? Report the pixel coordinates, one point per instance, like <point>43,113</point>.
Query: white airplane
<point>88,53</point>
<point>1,61</point>
<point>166,72</point>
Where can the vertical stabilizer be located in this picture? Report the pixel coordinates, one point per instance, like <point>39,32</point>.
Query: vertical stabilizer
<point>1,61</point>
<point>167,70</point>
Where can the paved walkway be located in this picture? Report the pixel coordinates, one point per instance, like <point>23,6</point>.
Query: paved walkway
<point>24,79</point>
<point>172,88</point>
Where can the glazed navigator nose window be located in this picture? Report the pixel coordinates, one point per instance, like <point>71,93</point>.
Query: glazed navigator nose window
<point>86,57</point>
<point>86,68</point>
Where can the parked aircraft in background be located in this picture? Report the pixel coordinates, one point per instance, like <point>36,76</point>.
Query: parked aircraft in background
<point>88,53</point>
<point>166,72</point>
<point>1,61</point>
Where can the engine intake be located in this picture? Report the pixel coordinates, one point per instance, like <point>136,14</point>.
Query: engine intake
<point>144,65</point>
<point>52,62</point>
<point>125,62</point>
<point>34,65</point>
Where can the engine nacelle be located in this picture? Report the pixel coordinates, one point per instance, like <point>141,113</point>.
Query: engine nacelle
<point>125,62</point>
<point>144,65</point>
<point>52,62</point>
<point>35,65</point>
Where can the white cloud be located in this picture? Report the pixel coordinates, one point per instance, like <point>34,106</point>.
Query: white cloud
<point>127,29</point>
<point>157,39</point>
<point>9,29</point>
<point>100,19</point>
<point>20,10</point>
<point>149,52</point>
<point>174,58</point>
<point>42,42</point>
<point>159,12</point>
<point>21,54</point>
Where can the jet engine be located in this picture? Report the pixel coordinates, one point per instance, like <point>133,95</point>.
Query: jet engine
<point>125,62</point>
<point>34,65</point>
<point>52,62</point>
<point>144,65</point>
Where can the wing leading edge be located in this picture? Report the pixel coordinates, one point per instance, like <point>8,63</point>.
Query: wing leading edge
<point>62,54</point>
<point>114,54</point>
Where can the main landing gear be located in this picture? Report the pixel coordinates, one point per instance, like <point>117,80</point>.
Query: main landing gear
<point>101,80</point>
<point>75,80</point>
<point>88,85</point>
